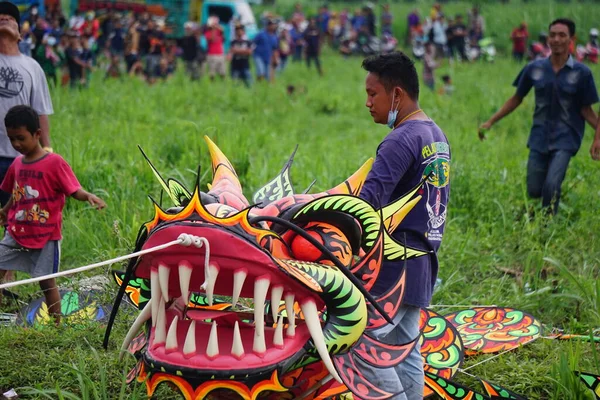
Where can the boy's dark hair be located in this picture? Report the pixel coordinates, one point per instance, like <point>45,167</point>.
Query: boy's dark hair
<point>446,78</point>
<point>564,21</point>
<point>394,69</point>
<point>22,116</point>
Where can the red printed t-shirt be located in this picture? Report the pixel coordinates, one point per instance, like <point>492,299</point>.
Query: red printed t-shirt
<point>38,194</point>
<point>214,37</point>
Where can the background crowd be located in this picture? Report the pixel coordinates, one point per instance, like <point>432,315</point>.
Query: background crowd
<point>140,45</point>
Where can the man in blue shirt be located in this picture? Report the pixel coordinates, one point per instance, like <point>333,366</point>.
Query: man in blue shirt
<point>564,94</point>
<point>265,50</point>
<point>415,149</point>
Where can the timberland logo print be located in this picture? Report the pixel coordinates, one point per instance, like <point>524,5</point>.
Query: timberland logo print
<point>11,82</point>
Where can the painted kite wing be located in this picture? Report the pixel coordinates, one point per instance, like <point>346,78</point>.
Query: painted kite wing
<point>137,290</point>
<point>278,188</point>
<point>496,392</point>
<point>591,381</point>
<point>441,345</point>
<point>449,390</point>
<point>494,329</point>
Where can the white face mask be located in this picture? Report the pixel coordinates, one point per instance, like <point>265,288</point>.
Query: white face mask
<point>392,114</point>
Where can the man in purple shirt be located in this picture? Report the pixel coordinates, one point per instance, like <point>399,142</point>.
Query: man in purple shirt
<point>415,149</point>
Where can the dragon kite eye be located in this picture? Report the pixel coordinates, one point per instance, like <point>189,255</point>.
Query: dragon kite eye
<point>329,236</point>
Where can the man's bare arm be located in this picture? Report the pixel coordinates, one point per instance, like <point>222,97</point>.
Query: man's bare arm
<point>45,127</point>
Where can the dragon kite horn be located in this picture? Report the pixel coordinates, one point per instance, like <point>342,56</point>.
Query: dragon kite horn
<point>222,168</point>
<point>354,183</point>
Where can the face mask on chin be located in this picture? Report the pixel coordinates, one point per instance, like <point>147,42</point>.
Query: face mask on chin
<point>392,114</point>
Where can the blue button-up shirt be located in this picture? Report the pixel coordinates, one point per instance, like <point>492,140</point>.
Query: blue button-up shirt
<point>559,99</point>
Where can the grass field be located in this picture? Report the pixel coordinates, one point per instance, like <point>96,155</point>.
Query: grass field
<point>492,253</point>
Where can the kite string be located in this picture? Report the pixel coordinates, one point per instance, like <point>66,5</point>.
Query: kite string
<point>491,358</point>
<point>184,239</point>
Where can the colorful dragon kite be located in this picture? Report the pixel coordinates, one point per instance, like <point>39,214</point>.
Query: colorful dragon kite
<point>304,262</point>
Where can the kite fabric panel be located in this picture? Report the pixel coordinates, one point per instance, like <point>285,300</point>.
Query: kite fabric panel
<point>441,346</point>
<point>494,329</point>
<point>591,381</point>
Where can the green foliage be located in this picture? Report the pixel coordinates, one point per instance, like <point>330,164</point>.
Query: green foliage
<point>497,248</point>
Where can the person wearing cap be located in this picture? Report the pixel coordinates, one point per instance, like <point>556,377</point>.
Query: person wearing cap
<point>564,94</point>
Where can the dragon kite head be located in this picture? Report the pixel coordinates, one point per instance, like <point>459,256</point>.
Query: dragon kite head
<point>264,300</point>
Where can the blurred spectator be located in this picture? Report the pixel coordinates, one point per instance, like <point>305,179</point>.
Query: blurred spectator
<point>476,19</point>
<point>156,42</point>
<point>413,21</point>
<point>313,45</point>
<point>56,30</point>
<point>91,25</point>
<point>519,38</point>
<point>387,20</point>
<point>117,39</point>
<point>429,65</point>
<point>334,29</point>
<point>369,18</point>
<point>76,21</point>
<point>323,19</point>
<point>48,58</point>
<point>74,62</point>
<point>26,42</point>
<point>540,49</point>
<point>132,46</point>
<point>438,36</point>
<point>590,51</point>
<point>436,11</point>
<point>87,58</point>
<point>265,50</point>
<point>189,46</point>
<point>285,49</point>
<point>357,20</point>
<point>297,38</point>
<point>459,34</point>
<point>298,14</point>
<point>106,29</point>
<point>240,52</point>
<point>475,35</point>
<point>215,60</point>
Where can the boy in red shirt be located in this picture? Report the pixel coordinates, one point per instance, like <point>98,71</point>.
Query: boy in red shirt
<point>39,182</point>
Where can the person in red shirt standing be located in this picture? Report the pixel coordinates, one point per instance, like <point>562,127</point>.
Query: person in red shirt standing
<point>215,56</point>
<point>39,182</point>
<point>519,38</point>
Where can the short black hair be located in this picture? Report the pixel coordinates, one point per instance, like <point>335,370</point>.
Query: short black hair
<point>446,78</point>
<point>22,116</point>
<point>564,21</point>
<point>394,69</point>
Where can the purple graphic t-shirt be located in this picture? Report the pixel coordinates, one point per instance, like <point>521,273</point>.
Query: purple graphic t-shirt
<point>408,154</point>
